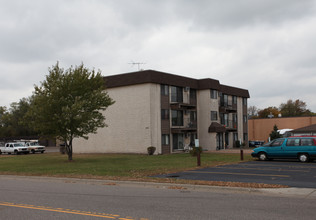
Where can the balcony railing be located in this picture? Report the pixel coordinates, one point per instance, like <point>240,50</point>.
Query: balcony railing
<point>227,106</point>
<point>229,124</point>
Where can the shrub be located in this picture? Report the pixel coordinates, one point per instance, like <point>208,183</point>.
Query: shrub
<point>194,151</point>
<point>151,150</point>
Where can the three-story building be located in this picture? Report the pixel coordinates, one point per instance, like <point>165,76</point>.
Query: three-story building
<point>168,112</point>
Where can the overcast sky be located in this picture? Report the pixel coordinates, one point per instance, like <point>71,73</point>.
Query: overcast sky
<point>265,46</point>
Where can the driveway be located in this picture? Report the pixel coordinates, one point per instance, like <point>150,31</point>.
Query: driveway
<point>289,173</point>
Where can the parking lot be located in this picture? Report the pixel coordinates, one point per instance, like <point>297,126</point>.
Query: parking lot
<point>283,172</point>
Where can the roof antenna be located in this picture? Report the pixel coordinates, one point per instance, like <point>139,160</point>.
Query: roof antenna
<point>137,63</point>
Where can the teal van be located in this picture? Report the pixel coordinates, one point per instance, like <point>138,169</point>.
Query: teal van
<point>302,148</point>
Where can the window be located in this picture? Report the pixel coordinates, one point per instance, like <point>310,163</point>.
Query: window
<point>246,137</point>
<point>234,99</point>
<point>177,118</point>
<point>192,94</point>
<point>213,115</point>
<point>307,142</point>
<point>178,142</point>
<point>165,139</point>
<point>293,142</point>
<point>277,142</point>
<point>164,89</point>
<point>213,94</point>
<point>234,120</point>
<point>244,101</point>
<point>224,100</point>
<point>224,119</point>
<point>176,94</point>
<point>164,113</point>
<point>245,118</point>
<point>193,136</point>
<point>235,137</point>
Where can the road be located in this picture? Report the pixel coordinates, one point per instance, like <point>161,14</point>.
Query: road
<point>57,198</point>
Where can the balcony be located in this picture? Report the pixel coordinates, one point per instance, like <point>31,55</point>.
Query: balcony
<point>188,126</point>
<point>230,125</point>
<point>227,106</point>
<point>182,106</point>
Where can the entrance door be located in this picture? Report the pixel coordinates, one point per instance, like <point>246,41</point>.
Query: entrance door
<point>226,139</point>
<point>219,141</point>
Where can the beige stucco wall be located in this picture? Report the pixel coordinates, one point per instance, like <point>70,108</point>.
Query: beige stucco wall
<point>259,129</point>
<point>133,122</point>
<point>204,107</point>
<point>240,119</point>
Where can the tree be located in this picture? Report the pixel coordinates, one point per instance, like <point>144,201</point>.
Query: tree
<point>252,111</point>
<point>264,113</point>
<point>69,104</point>
<point>12,122</point>
<point>275,134</point>
<point>294,108</point>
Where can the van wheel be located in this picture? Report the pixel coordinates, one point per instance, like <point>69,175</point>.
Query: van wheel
<point>262,156</point>
<point>303,158</point>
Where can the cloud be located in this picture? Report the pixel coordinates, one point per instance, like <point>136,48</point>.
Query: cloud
<point>264,46</point>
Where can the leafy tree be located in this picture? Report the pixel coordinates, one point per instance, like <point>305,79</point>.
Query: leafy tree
<point>294,108</point>
<point>12,122</point>
<point>264,113</point>
<point>68,104</point>
<point>275,134</point>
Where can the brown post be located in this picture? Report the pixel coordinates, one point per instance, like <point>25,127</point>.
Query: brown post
<point>198,157</point>
<point>241,154</point>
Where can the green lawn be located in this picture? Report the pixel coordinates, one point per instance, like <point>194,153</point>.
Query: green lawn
<point>108,165</point>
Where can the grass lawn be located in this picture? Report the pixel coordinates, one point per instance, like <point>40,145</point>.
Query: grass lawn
<point>108,165</point>
<point>119,166</point>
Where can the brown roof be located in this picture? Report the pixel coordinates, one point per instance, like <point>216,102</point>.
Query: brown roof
<point>152,76</point>
<point>216,127</point>
<point>310,128</point>
<point>229,90</point>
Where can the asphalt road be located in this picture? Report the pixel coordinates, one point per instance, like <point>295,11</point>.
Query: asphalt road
<point>288,173</point>
<point>54,198</point>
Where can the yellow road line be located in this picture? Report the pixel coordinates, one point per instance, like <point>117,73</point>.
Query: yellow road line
<point>61,210</point>
<point>242,174</point>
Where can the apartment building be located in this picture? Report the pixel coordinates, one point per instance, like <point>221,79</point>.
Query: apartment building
<point>168,112</point>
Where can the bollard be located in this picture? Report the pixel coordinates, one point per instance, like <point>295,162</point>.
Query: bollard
<point>241,154</point>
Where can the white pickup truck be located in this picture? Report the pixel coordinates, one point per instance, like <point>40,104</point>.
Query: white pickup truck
<point>14,148</point>
<point>34,146</point>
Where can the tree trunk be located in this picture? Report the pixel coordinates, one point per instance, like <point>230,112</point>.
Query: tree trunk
<point>69,150</point>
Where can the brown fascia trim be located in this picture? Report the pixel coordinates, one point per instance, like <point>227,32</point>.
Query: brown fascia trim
<point>229,90</point>
<point>153,76</point>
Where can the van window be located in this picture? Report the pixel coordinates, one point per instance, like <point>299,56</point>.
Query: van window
<point>293,142</point>
<point>307,142</point>
<point>277,142</point>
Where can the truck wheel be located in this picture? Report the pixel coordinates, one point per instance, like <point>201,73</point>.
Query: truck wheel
<point>42,152</point>
<point>16,152</point>
<point>0,152</point>
<point>33,151</point>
